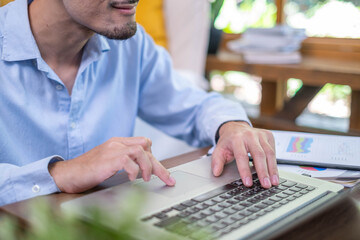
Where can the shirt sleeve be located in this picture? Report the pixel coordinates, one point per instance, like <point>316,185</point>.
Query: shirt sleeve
<point>176,106</point>
<point>31,180</point>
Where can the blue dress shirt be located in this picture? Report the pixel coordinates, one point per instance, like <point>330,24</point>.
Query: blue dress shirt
<point>116,82</point>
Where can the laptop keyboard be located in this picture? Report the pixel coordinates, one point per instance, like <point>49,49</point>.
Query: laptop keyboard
<point>227,208</point>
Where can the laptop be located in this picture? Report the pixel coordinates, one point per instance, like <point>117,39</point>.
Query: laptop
<point>202,206</point>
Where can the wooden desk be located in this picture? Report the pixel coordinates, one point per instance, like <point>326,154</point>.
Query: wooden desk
<point>314,70</point>
<point>340,222</point>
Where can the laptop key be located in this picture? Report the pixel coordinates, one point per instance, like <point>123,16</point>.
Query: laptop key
<point>268,202</point>
<point>212,219</point>
<point>246,204</point>
<point>210,202</point>
<point>281,195</point>
<point>245,213</point>
<point>167,222</point>
<point>310,188</point>
<point>288,192</point>
<point>238,207</point>
<point>220,215</point>
<point>277,205</point>
<point>299,185</point>
<point>254,209</point>
<point>261,205</point>
<point>184,214</point>
<point>281,187</point>
<point>225,196</point>
<point>297,195</point>
<point>228,221</point>
<point>237,217</point>
<point>189,203</point>
<point>288,183</point>
<point>147,218</point>
<point>260,213</point>
<point>291,198</point>
<point>207,212</point>
<point>229,211</point>
<point>201,206</point>
<point>275,199</point>
<point>161,215</point>
<point>179,207</point>
<point>304,191</point>
<point>213,193</point>
<point>295,189</point>
<point>225,204</point>
<point>218,199</point>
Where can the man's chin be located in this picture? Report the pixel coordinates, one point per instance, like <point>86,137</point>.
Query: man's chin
<point>120,33</point>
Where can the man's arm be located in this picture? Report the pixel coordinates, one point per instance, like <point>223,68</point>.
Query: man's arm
<point>90,169</point>
<point>174,105</point>
<point>53,174</point>
<point>31,180</point>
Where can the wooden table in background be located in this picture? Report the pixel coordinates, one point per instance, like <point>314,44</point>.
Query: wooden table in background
<point>341,221</point>
<point>314,71</point>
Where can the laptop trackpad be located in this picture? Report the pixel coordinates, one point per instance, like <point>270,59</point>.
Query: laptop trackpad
<point>185,182</point>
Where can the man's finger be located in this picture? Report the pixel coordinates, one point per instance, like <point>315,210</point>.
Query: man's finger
<point>259,159</point>
<point>160,171</point>
<point>218,160</point>
<point>141,157</point>
<point>131,168</point>
<point>145,142</point>
<point>242,162</point>
<point>269,150</point>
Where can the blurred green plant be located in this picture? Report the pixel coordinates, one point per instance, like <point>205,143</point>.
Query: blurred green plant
<point>49,224</point>
<point>215,7</point>
<point>336,92</point>
<point>236,16</point>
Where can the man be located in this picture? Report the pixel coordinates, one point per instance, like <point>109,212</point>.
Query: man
<point>72,86</point>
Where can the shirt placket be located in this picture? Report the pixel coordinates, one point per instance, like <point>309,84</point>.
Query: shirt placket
<point>75,139</point>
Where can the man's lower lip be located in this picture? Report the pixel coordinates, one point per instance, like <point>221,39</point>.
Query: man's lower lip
<point>126,11</point>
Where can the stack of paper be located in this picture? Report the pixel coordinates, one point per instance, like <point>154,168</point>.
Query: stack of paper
<point>277,45</point>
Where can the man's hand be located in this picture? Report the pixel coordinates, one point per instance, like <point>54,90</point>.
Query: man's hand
<point>237,139</point>
<point>129,154</point>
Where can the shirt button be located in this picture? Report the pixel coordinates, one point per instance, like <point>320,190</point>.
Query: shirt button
<point>59,87</point>
<point>35,188</point>
<point>73,125</point>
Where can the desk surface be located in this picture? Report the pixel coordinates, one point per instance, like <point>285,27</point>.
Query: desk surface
<point>314,71</point>
<point>311,70</point>
<point>340,222</point>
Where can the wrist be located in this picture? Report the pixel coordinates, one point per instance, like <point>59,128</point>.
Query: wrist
<point>55,170</point>
<point>230,125</point>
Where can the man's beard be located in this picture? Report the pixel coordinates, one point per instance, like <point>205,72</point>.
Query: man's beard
<point>122,33</point>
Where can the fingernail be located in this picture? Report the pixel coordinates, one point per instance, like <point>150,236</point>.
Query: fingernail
<point>267,182</point>
<point>275,180</point>
<point>216,170</point>
<point>248,181</point>
<point>172,180</point>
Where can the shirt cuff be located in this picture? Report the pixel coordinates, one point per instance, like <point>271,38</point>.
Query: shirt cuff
<point>33,179</point>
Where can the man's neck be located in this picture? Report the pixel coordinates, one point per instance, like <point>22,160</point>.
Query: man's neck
<point>59,38</point>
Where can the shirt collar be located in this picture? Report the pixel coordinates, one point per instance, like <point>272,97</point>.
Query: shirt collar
<point>21,45</point>
<point>18,41</point>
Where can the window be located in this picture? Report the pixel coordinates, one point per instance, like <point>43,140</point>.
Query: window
<point>333,28</point>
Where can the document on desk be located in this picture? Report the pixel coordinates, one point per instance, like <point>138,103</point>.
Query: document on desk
<point>321,150</point>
